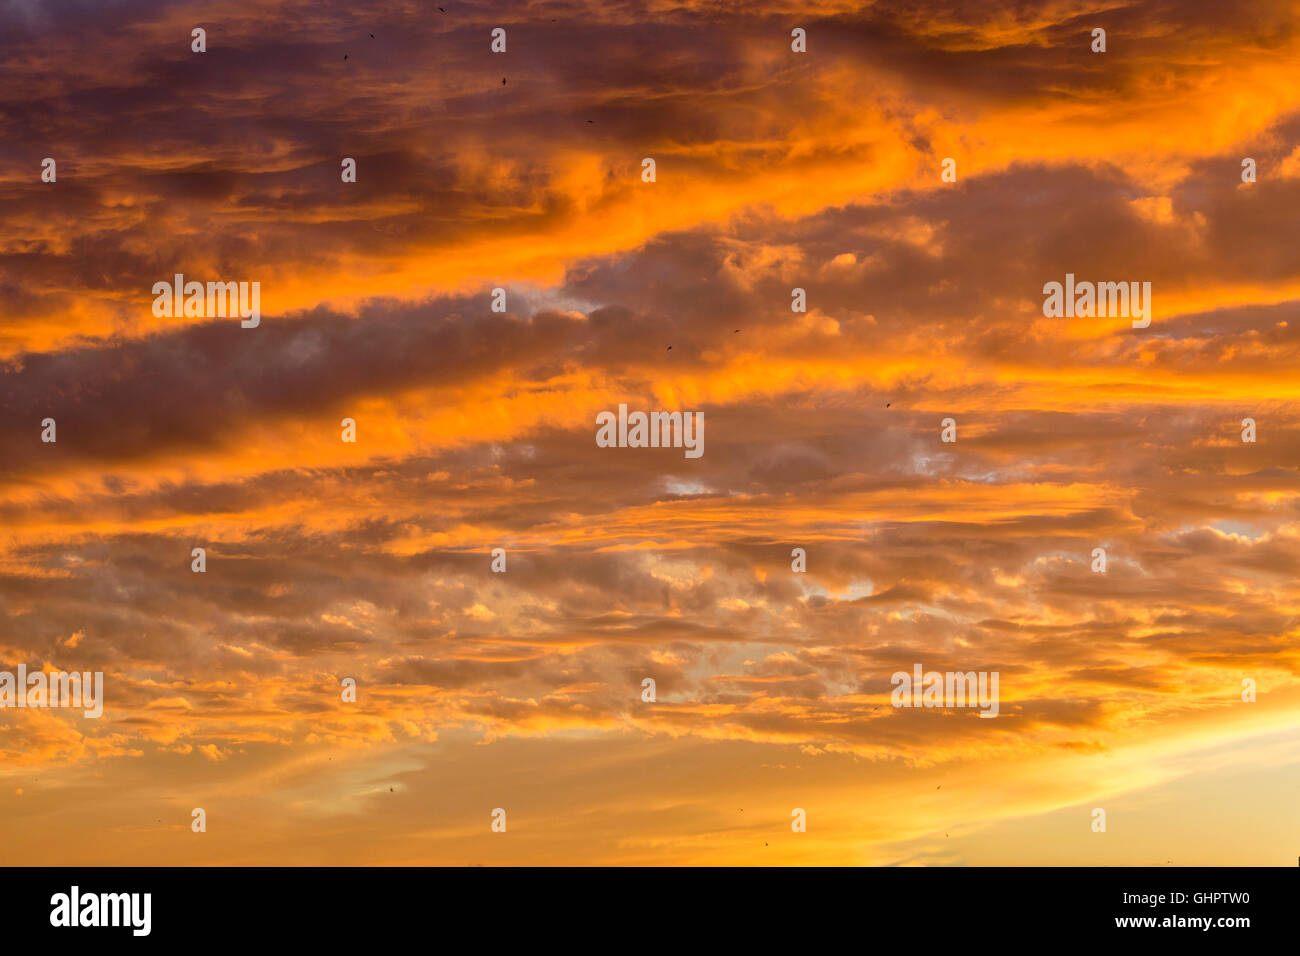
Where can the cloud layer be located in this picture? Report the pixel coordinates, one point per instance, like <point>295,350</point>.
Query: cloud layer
<point>475,429</point>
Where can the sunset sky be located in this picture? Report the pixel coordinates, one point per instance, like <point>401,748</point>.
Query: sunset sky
<point>476,430</point>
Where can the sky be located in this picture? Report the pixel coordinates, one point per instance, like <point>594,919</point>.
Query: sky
<point>475,430</point>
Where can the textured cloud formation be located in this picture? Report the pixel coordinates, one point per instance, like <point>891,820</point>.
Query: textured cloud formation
<point>475,431</point>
